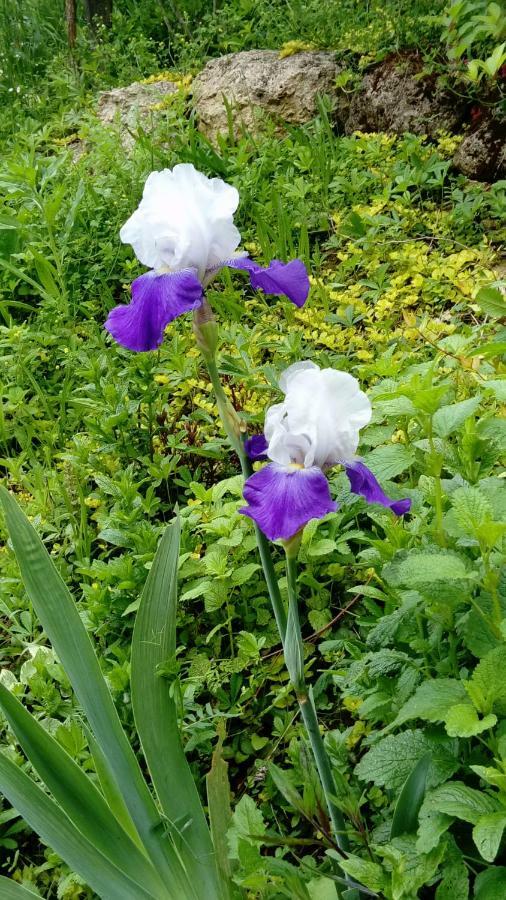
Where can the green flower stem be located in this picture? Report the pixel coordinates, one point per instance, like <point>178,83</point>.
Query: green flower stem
<point>288,626</point>
<point>235,432</point>
<point>308,712</point>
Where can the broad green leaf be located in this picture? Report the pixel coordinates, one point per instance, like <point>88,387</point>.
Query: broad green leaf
<point>247,825</point>
<point>432,826</point>
<point>492,301</point>
<point>156,720</point>
<point>457,799</point>
<point>390,460</point>
<point>220,812</point>
<point>454,884</point>
<point>365,872</point>
<point>487,685</point>
<point>432,700</point>
<point>416,568</point>
<point>390,762</point>
<point>11,890</point>
<point>448,418</point>
<point>487,834</point>
<point>472,508</point>
<point>490,884</point>
<point>405,820</point>
<point>77,795</point>
<point>63,625</point>
<point>56,829</point>
<point>462,721</point>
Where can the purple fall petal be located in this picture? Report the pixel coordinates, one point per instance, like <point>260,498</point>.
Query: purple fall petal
<point>281,500</point>
<point>256,447</point>
<point>156,301</point>
<point>290,279</point>
<point>363,482</point>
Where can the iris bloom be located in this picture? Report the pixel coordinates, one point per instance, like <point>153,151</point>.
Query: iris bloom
<point>183,231</point>
<point>315,428</point>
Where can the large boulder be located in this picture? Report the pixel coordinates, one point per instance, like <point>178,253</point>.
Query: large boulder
<point>397,97</point>
<point>255,82</point>
<point>136,104</point>
<point>482,153</point>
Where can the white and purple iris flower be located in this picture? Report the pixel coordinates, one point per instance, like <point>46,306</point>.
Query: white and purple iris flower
<point>315,428</point>
<point>183,231</point>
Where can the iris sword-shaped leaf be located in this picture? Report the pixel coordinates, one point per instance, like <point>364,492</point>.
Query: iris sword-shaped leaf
<point>62,623</point>
<point>156,720</point>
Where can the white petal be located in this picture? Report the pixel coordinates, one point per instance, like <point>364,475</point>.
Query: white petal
<point>183,220</point>
<point>286,376</point>
<point>319,421</point>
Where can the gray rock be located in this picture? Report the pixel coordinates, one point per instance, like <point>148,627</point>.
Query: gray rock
<point>134,105</point>
<point>396,97</point>
<point>482,153</point>
<point>255,82</point>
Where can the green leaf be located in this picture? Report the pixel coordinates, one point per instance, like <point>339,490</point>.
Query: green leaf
<point>405,820</point>
<point>365,872</point>
<point>55,829</point>
<point>457,799</point>
<point>448,418</point>
<point>77,795</point>
<point>472,508</point>
<point>416,568</point>
<point>220,812</point>
<point>487,834</point>
<point>247,825</point>
<point>462,721</point>
<point>492,301</point>
<point>155,714</point>
<point>390,460</point>
<point>390,762</point>
<point>110,788</point>
<point>487,685</point>
<point>490,884</point>
<point>454,884</point>
<point>431,701</point>
<point>64,627</point>
<point>284,785</point>
<point>11,890</point>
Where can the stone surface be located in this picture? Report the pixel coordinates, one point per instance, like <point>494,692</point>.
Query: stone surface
<point>255,82</point>
<point>132,105</point>
<point>482,153</point>
<point>396,97</point>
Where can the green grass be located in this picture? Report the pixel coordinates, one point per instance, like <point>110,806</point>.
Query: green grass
<point>99,444</point>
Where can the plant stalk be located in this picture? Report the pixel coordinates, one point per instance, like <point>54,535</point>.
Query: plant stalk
<point>309,717</point>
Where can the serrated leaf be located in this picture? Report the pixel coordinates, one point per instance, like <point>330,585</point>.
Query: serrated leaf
<point>471,508</point>
<point>365,872</point>
<point>416,568</point>
<point>390,460</point>
<point>492,301</point>
<point>448,419</point>
<point>487,686</point>
<point>462,721</point>
<point>454,884</point>
<point>461,801</point>
<point>247,826</point>
<point>391,760</point>
<point>487,834</point>
<point>432,700</point>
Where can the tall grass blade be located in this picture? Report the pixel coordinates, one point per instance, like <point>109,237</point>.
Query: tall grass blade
<point>11,890</point>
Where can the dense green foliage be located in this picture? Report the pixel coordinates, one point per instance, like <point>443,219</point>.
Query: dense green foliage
<point>405,620</point>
